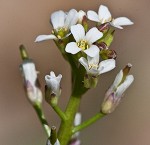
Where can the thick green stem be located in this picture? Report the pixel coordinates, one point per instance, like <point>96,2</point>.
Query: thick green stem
<point>65,131</point>
<point>42,118</point>
<point>88,122</point>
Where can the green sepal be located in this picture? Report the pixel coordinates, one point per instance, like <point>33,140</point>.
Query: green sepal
<point>107,37</point>
<point>90,81</point>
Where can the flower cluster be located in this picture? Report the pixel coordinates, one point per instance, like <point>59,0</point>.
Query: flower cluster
<point>87,50</point>
<point>89,46</point>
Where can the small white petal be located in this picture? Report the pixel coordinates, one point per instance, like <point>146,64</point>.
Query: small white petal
<point>121,21</point>
<point>93,60</point>
<point>81,14</point>
<point>45,37</point>
<point>52,74</point>
<point>93,16</point>
<point>122,88</point>
<point>117,79</point>
<point>59,77</point>
<point>71,18</point>
<point>104,14</point>
<point>72,48</point>
<point>29,72</point>
<point>106,65</point>
<point>57,19</point>
<point>84,62</point>
<point>92,51</point>
<point>93,35</point>
<point>78,32</point>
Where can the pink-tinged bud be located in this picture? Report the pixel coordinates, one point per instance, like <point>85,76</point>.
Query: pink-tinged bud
<point>31,82</point>
<point>103,27</point>
<point>116,91</point>
<point>108,54</point>
<point>75,142</point>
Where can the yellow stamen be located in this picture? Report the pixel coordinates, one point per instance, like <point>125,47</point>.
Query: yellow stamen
<point>83,44</point>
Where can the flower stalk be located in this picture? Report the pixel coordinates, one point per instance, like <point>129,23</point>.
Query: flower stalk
<point>32,89</point>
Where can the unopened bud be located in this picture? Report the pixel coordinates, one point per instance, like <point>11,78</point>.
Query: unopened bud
<point>116,91</point>
<point>53,137</point>
<point>50,97</point>
<point>31,82</point>
<point>108,54</point>
<point>108,37</point>
<point>53,83</point>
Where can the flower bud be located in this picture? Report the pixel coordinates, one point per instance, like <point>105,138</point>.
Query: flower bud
<point>31,82</point>
<point>52,88</point>
<point>53,137</point>
<point>116,91</point>
<point>108,54</point>
<point>108,37</point>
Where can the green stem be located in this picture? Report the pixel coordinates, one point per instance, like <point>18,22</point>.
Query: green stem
<point>60,113</point>
<point>88,122</point>
<point>42,118</point>
<point>65,131</point>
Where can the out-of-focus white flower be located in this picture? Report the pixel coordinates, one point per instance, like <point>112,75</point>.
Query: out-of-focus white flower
<point>53,83</point>
<point>116,91</point>
<point>75,138</point>
<point>84,42</point>
<point>75,142</point>
<point>31,82</point>
<point>77,121</point>
<point>94,67</point>
<point>61,23</point>
<point>104,16</point>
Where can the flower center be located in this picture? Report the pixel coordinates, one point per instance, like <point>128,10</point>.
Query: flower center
<point>93,66</point>
<point>102,21</point>
<point>83,44</point>
<point>60,32</point>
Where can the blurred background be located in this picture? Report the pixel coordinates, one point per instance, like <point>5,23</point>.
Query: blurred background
<point>21,21</point>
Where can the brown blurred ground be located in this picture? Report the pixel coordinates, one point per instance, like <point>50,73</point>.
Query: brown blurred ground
<point>21,21</point>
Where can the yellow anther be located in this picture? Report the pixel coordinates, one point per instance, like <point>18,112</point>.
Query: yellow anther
<point>83,44</point>
<point>94,66</point>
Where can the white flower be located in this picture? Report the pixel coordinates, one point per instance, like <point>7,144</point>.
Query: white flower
<point>53,83</point>
<point>61,23</point>
<point>116,91</point>
<point>75,137</point>
<point>94,67</point>
<point>30,76</point>
<point>84,42</point>
<point>104,16</point>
